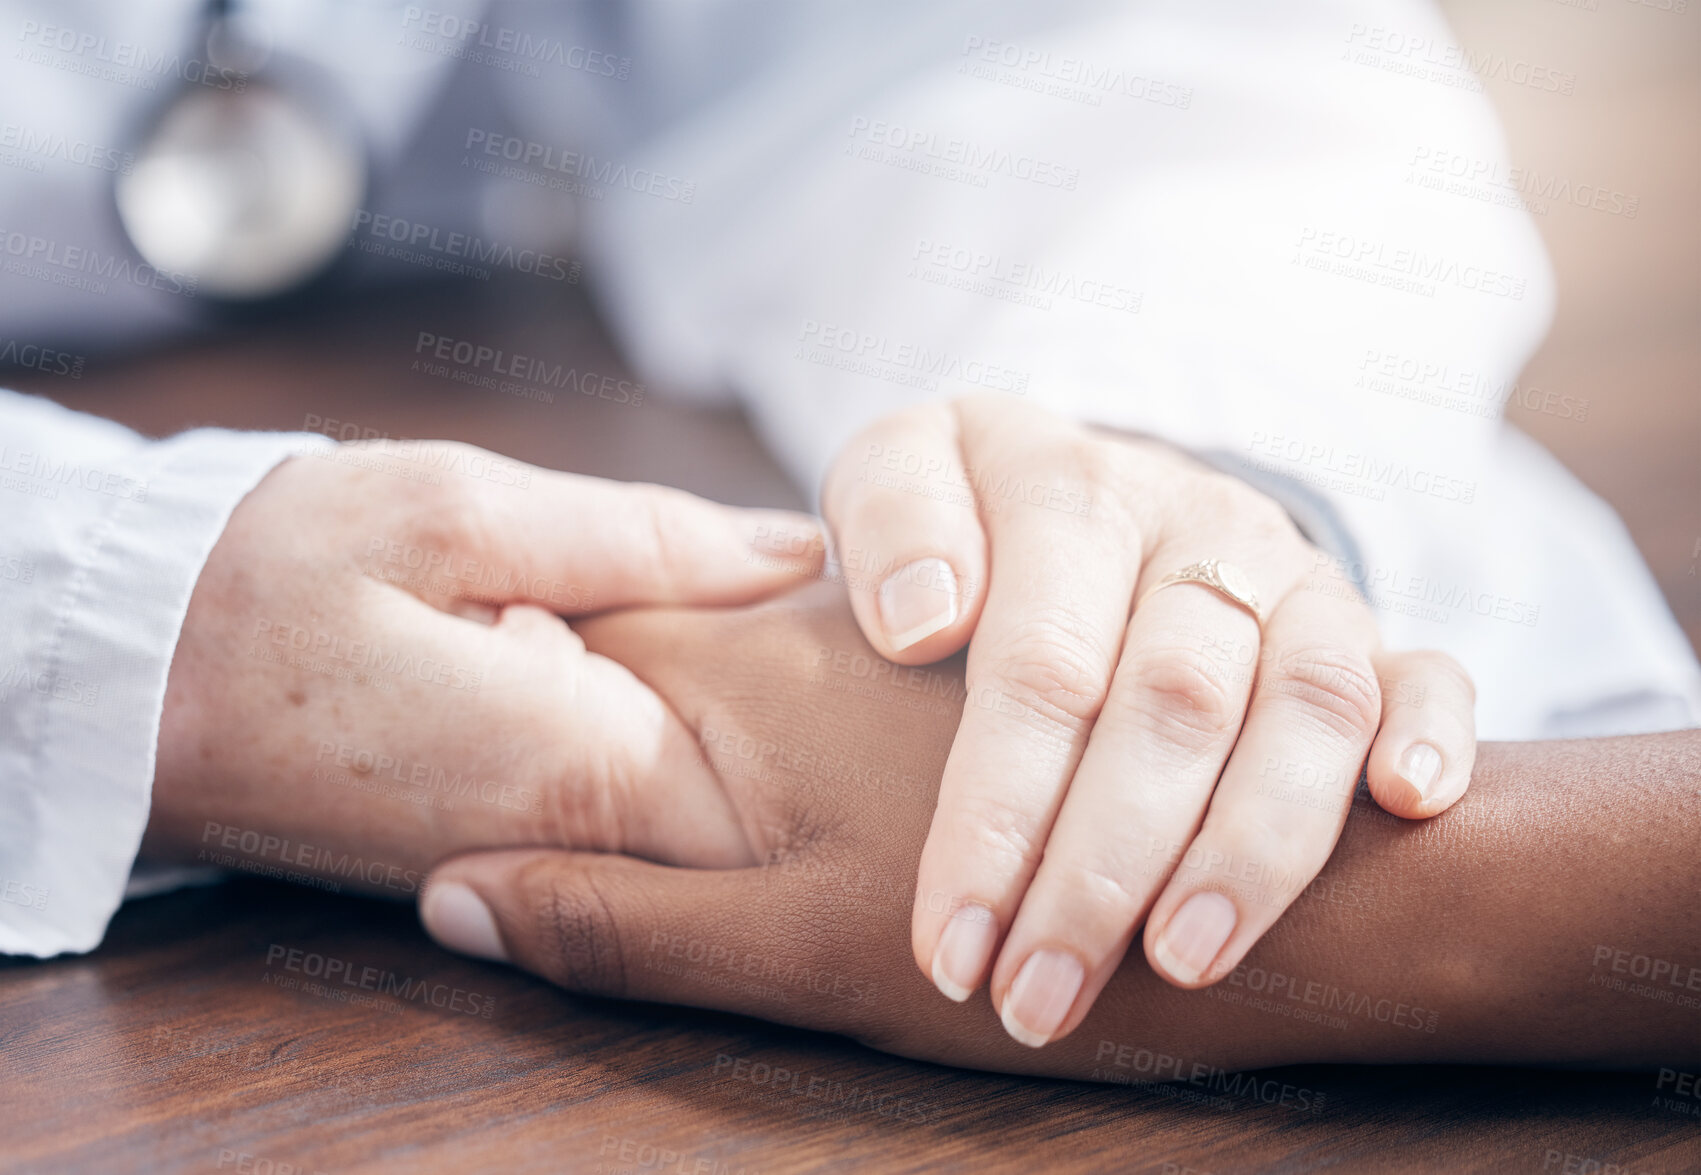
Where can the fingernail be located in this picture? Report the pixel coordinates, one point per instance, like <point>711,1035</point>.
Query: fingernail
<point>457,918</point>
<point>1040,998</point>
<point>917,601</point>
<point>1420,766</point>
<point>1195,934</point>
<point>795,537</point>
<point>963,951</point>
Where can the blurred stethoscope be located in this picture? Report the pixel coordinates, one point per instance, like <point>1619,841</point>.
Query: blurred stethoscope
<point>249,177</point>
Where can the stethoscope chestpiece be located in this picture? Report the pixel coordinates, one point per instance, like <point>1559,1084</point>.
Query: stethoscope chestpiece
<point>247,180</point>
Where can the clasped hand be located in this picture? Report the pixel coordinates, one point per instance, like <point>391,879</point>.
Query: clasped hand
<point>1132,750</point>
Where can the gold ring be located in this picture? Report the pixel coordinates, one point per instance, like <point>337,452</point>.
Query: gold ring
<point>1224,578</point>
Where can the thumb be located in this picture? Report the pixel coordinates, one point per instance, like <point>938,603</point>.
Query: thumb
<point>613,926</point>
<point>575,544</point>
<point>908,532</point>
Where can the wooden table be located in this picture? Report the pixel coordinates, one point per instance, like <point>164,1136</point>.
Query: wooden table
<point>175,1047</point>
<point>172,1049</point>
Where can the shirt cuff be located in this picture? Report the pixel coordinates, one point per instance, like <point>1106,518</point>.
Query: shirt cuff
<point>83,805</point>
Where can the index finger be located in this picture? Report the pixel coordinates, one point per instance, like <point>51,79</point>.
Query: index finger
<point>1038,671</point>
<point>576,544</point>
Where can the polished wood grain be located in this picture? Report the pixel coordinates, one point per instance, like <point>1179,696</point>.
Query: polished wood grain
<point>174,1048</point>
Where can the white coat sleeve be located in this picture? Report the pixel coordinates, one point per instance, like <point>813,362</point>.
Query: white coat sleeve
<point>1289,236</point>
<point>103,534</point>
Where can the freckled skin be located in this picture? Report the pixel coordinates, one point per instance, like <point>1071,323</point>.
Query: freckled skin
<point>282,696</point>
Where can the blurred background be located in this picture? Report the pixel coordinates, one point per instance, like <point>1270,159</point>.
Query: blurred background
<point>1627,336</point>
<point>1626,339</point>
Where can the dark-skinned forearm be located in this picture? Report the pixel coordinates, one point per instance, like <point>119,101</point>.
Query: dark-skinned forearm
<point>1549,919</point>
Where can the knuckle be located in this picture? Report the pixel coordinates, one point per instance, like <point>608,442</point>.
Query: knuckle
<point>1337,687</point>
<point>660,530</point>
<point>1108,881</point>
<point>1265,861</point>
<point>1104,472</point>
<point>577,940</point>
<point>1002,832</point>
<point>1225,495</point>
<point>451,518</point>
<point>1094,461</point>
<point>1182,696</point>
<point>1262,514</point>
<point>1226,503</point>
<point>1211,498</point>
<point>1076,462</point>
<point>587,814</point>
<point>1053,667</point>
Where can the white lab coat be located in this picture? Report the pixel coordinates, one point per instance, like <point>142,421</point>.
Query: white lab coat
<point>1223,222</point>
